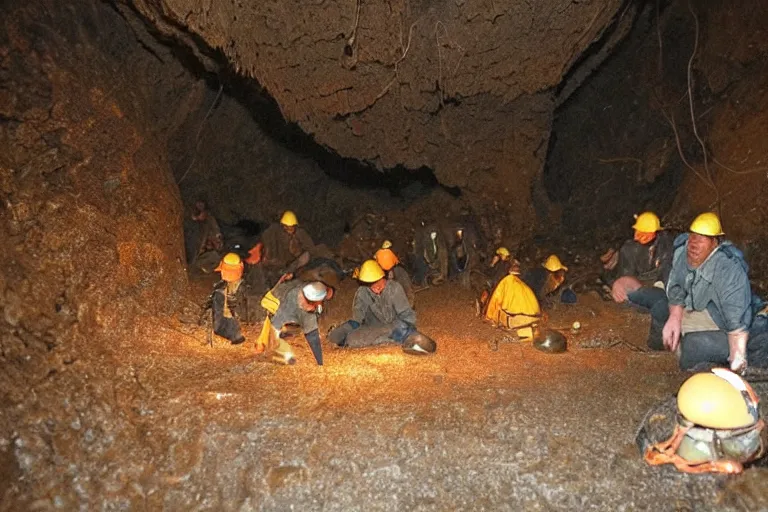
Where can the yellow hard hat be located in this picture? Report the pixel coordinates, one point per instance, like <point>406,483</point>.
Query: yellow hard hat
<point>503,252</point>
<point>707,224</point>
<point>232,258</point>
<point>370,272</point>
<point>647,222</point>
<point>553,264</point>
<point>289,219</point>
<point>386,245</point>
<point>231,267</point>
<point>718,400</point>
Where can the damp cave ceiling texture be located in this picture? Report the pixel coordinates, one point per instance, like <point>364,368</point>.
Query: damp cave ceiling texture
<point>465,87</point>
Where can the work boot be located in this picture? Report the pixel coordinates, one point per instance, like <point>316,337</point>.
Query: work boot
<point>338,335</point>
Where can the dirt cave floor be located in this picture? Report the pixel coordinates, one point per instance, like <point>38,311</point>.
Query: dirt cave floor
<point>466,428</point>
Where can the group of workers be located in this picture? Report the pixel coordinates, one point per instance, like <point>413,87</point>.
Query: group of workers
<point>695,287</point>
<point>512,299</point>
<point>382,310</point>
<point>697,290</point>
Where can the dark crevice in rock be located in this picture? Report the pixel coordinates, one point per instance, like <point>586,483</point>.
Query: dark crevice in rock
<point>600,49</point>
<point>610,145</point>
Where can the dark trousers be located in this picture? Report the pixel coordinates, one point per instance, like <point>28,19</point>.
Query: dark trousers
<point>351,334</point>
<point>708,347</point>
<point>421,270</point>
<point>646,297</point>
<point>224,324</point>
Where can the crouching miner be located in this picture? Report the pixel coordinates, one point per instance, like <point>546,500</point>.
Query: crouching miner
<point>381,314</point>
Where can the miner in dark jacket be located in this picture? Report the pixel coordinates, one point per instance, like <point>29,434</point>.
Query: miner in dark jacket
<point>546,279</point>
<point>225,297</point>
<point>430,258</point>
<point>638,272</point>
<point>462,257</point>
<point>283,248</point>
<point>206,239</point>
<point>286,245</point>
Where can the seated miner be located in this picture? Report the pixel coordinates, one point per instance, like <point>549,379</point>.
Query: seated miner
<point>500,265</point>
<point>460,258</point>
<point>430,258</point>
<point>292,303</point>
<point>380,314</point>
<point>513,305</point>
<point>546,279</point>
<point>638,272</point>
<point>709,315</point>
<point>284,247</point>
<point>390,263</point>
<point>223,301</point>
<point>208,241</point>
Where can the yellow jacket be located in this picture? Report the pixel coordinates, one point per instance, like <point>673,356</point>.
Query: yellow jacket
<point>513,304</point>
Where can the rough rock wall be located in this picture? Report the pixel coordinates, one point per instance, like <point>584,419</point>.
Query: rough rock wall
<point>464,88</point>
<point>615,151</point>
<point>731,107</point>
<point>612,152</point>
<point>91,239</point>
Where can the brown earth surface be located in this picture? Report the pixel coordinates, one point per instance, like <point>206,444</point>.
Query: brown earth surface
<point>108,129</point>
<point>376,429</point>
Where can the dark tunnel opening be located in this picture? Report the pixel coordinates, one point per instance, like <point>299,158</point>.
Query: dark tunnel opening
<point>398,182</point>
<point>611,153</point>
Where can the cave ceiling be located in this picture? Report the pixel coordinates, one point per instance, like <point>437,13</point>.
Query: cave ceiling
<point>464,87</point>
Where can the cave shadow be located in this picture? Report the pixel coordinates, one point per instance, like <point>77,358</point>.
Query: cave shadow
<point>606,159</point>
<point>399,182</point>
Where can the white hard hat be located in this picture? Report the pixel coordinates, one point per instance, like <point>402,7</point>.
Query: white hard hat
<point>315,291</point>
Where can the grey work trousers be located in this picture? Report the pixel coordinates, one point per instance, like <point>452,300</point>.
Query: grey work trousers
<point>352,335</point>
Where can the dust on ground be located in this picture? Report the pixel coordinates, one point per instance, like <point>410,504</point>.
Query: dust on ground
<point>376,429</point>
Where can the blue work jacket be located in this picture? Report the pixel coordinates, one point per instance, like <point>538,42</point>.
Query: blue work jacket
<point>720,285</point>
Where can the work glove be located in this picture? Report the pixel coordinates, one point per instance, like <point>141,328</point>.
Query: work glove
<point>737,346</point>
<point>313,338</point>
